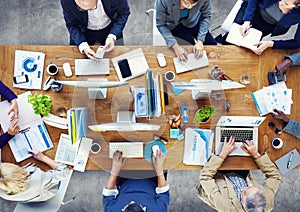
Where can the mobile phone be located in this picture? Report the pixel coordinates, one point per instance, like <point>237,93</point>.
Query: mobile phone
<point>124,68</point>
<point>20,79</point>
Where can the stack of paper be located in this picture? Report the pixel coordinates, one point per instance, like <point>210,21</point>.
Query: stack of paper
<point>276,96</point>
<point>197,146</point>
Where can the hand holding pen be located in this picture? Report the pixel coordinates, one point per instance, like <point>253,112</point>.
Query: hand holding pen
<point>244,29</point>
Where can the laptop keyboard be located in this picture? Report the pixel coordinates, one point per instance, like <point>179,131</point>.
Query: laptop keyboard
<point>240,135</point>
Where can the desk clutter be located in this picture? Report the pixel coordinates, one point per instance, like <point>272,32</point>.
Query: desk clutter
<point>151,101</point>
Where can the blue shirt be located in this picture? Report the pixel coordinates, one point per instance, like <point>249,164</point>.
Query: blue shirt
<point>184,13</point>
<point>141,191</point>
<point>238,183</point>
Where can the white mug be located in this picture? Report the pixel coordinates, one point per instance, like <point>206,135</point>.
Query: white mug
<point>52,69</point>
<point>277,143</point>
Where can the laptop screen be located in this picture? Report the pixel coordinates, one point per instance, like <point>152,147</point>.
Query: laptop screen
<point>247,121</point>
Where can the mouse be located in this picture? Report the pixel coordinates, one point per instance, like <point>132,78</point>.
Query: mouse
<point>154,149</point>
<point>161,60</point>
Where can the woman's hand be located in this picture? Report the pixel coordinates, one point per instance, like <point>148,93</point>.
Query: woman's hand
<point>109,44</point>
<point>262,46</point>
<point>180,52</point>
<point>13,108</point>
<point>244,29</point>
<point>198,49</point>
<point>37,154</point>
<point>13,127</point>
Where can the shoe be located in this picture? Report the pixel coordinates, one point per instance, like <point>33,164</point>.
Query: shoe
<point>283,67</point>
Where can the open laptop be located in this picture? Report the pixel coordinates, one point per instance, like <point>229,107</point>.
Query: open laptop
<point>241,127</point>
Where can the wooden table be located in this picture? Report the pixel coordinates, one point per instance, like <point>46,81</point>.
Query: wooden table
<point>233,60</point>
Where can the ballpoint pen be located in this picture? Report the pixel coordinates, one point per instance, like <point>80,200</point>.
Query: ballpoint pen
<point>247,28</point>
<point>290,160</point>
<point>24,130</point>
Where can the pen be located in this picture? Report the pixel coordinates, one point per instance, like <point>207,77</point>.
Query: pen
<point>24,130</point>
<point>290,160</point>
<point>246,30</point>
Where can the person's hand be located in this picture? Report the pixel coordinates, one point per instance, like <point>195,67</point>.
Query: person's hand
<point>90,54</point>
<point>227,148</point>
<point>118,163</point>
<point>109,44</point>
<point>36,154</point>
<point>278,114</point>
<point>180,52</point>
<point>283,67</point>
<point>198,49</point>
<point>13,108</point>
<point>262,46</point>
<point>244,29</point>
<point>158,162</point>
<point>250,148</point>
<point>13,127</point>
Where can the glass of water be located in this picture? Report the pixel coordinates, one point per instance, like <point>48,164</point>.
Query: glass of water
<point>245,79</point>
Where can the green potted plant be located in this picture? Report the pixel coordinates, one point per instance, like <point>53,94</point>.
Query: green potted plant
<point>203,114</point>
<point>41,104</point>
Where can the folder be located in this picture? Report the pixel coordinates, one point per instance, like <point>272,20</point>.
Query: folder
<point>282,163</point>
<point>197,146</point>
<point>78,123</point>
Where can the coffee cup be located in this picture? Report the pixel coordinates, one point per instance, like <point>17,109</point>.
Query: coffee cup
<point>52,69</point>
<point>277,143</point>
<point>170,76</point>
<point>95,148</point>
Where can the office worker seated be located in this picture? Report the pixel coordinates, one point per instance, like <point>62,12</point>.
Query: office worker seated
<point>186,20</point>
<point>30,184</point>
<point>89,21</point>
<point>290,60</point>
<point>270,17</point>
<point>288,125</point>
<point>121,194</point>
<point>236,190</point>
<point>13,111</point>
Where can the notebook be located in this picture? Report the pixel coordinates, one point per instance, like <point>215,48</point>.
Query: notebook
<point>237,124</point>
<point>235,37</point>
<point>191,64</point>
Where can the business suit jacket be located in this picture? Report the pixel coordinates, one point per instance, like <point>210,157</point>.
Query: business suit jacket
<point>168,16</point>
<point>283,25</point>
<point>77,21</point>
<point>216,191</point>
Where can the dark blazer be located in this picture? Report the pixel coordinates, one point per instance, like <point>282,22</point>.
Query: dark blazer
<point>284,24</point>
<point>76,21</point>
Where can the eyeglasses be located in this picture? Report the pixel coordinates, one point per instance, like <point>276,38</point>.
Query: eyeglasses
<point>84,10</point>
<point>272,126</point>
<point>160,138</point>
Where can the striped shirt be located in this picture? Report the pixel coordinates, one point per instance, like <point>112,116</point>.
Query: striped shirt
<point>238,183</point>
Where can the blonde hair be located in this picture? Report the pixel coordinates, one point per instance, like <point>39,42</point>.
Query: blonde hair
<point>13,179</point>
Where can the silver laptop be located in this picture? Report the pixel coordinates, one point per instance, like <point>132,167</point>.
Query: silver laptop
<point>241,127</point>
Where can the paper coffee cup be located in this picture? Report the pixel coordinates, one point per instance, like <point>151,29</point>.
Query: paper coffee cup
<point>277,143</point>
<point>52,69</point>
<point>169,76</point>
<point>95,148</point>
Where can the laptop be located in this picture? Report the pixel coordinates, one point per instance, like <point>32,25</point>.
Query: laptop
<point>241,127</point>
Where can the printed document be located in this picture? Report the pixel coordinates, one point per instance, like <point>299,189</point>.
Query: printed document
<point>31,64</point>
<point>235,37</point>
<point>33,133</point>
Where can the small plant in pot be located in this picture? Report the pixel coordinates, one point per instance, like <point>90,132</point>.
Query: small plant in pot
<point>41,104</point>
<point>203,114</point>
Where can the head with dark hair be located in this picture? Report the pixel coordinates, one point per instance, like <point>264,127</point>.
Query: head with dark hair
<point>133,207</point>
<point>254,200</point>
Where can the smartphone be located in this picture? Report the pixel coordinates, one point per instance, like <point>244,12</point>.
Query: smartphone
<point>124,68</point>
<point>20,79</point>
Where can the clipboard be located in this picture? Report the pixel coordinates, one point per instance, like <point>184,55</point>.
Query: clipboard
<point>283,161</point>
